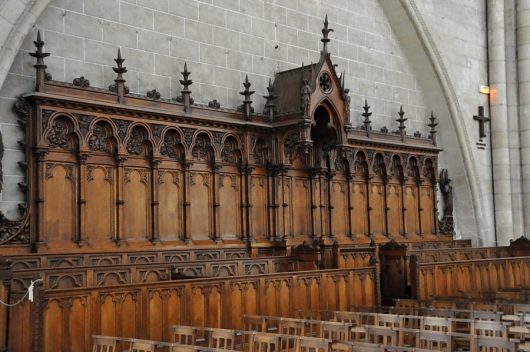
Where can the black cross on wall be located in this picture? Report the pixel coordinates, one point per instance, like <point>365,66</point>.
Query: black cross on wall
<point>481,121</point>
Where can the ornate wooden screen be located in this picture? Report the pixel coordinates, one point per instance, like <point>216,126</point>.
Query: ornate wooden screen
<point>106,168</point>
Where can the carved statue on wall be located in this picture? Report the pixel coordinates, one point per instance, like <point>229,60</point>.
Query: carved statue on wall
<point>305,96</point>
<point>446,224</point>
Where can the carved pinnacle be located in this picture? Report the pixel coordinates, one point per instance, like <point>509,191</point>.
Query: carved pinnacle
<point>366,114</point>
<point>401,121</point>
<point>433,125</point>
<point>325,33</point>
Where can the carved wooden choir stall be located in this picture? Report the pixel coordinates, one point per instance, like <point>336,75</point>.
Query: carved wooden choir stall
<point>144,212</point>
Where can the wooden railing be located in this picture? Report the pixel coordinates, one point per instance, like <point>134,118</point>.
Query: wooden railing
<point>112,275</point>
<point>65,320</point>
<point>444,279</point>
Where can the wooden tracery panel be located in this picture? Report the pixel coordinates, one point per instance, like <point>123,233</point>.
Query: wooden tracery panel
<point>170,205</point>
<point>394,213</point>
<point>427,212</point>
<point>301,206</point>
<point>101,204</point>
<point>340,212</point>
<point>60,202</point>
<point>201,205</point>
<point>229,214</point>
<point>259,206</point>
<point>377,208</point>
<point>137,204</point>
<point>411,209</point>
<point>359,213</point>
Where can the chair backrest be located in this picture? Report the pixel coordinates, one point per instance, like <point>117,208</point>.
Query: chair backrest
<point>489,328</point>
<point>366,347</point>
<point>494,344</point>
<point>309,344</point>
<point>391,320</point>
<point>222,339</point>
<point>177,347</point>
<point>335,331</point>
<point>434,340</point>
<point>381,335</point>
<point>184,335</point>
<point>291,327</point>
<point>436,324</point>
<point>254,323</point>
<point>104,343</point>
<point>341,347</point>
<point>348,317</point>
<point>263,342</point>
<point>521,308</point>
<point>142,346</point>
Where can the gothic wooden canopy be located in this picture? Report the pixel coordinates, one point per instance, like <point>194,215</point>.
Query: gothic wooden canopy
<point>108,169</point>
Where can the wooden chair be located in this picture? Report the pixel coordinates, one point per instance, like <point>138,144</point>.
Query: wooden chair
<point>436,324</point>
<point>263,342</point>
<point>434,340</point>
<point>222,339</point>
<point>104,343</point>
<point>366,347</point>
<point>288,343</point>
<point>308,344</point>
<point>142,346</point>
<point>184,335</point>
<point>177,347</point>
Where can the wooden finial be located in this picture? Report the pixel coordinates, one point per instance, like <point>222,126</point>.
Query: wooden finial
<point>270,105</point>
<point>185,92</point>
<point>401,121</point>
<point>39,54</point>
<point>247,103</point>
<point>325,35</point>
<point>433,125</point>
<point>366,114</point>
<point>119,85</point>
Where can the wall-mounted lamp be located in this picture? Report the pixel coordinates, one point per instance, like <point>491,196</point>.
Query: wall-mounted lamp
<point>484,89</point>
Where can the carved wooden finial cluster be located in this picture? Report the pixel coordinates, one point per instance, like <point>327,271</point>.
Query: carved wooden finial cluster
<point>186,82</point>
<point>119,81</point>
<point>401,121</point>
<point>366,114</point>
<point>270,105</point>
<point>39,54</point>
<point>247,103</point>
<point>325,35</point>
<point>432,125</point>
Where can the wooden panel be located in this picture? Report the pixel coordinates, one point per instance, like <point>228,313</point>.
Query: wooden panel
<point>377,212</point>
<point>340,210</point>
<point>229,214</point>
<point>394,213</point>
<point>411,206</point>
<point>100,204</point>
<point>301,206</point>
<point>60,203</point>
<point>170,205</point>
<point>359,218</point>
<point>201,210</point>
<point>259,206</point>
<point>136,208</point>
<point>427,213</point>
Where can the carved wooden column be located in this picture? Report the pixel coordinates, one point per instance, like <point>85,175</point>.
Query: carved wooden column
<point>40,156</point>
<point>350,205</point>
<point>385,205</point>
<point>120,160</point>
<point>243,210</point>
<point>284,215</point>
<point>186,201</point>
<point>323,198</point>
<point>272,173</point>
<point>5,296</point>
<point>313,178</point>
<point>247,172</point>
<point>418,195</point>
<point>329,177</point>
<point>81,236</point>
<point>368,206</point>
<point>155,236</point>
<point>216,233</point>
<point>403,209</point>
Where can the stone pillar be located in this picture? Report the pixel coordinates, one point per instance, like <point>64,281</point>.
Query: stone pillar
<point>499,123</point>
<point>523,66</point>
